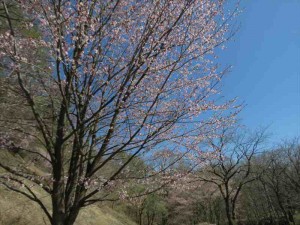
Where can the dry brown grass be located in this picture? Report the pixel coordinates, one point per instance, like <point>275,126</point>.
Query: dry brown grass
<point>16,209</point>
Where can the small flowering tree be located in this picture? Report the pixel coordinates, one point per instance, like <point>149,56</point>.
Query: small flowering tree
<point>124,79</point>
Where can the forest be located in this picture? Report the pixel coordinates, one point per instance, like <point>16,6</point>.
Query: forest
<point>112,113</point>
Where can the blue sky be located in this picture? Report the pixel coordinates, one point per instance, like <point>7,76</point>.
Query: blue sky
<point>265,55</point>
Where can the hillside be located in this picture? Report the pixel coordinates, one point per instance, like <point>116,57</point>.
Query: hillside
<point>16,209</point>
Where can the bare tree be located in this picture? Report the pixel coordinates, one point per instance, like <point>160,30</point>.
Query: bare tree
<point>281,178</point>
<point>231,168</point>
<point>290,150</point>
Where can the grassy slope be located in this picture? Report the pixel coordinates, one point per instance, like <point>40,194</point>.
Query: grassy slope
<point>16,209</point>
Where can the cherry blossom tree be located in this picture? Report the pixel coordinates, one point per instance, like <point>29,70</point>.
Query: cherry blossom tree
<point>123,80</point>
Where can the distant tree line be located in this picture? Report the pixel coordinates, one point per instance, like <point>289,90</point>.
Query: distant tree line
<point>245,184</point>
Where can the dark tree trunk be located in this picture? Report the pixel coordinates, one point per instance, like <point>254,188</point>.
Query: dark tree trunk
<point>58,219</point>
<point>72,217</point>
<point>233,211</point>
<point>283,211</point>
<point>228,213</point>
<point>64,219</point>
<point>58,206</point>
<point>140,216</point>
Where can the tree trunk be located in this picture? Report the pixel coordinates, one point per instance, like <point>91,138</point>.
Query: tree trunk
<point>64,219</point>
<point>58,219</point>
<point>283,211</point>
<point>140,219</point>
<point>290,213</point>
<point>58,207</point>
<point>61,215</point>
<point>72,217</point>
<point>233,211</point>
<point>228,213</point>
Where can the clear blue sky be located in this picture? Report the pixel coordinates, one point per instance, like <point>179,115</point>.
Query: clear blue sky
<point>265,55</point>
